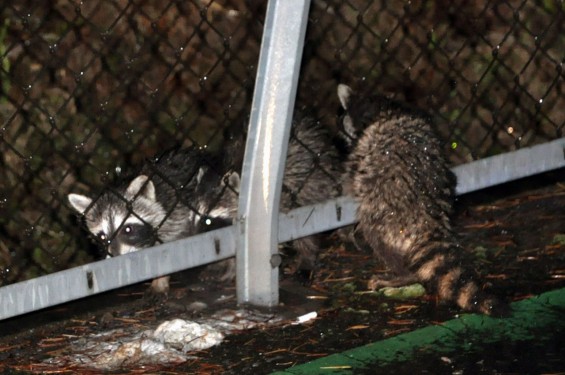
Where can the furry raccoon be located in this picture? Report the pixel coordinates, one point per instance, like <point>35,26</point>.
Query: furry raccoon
<point>159,204</point>
<point>312,174</point>
<point>178,195</point>
<point>398,173</point>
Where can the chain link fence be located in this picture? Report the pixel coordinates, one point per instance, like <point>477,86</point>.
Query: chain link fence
<point>88,88</point>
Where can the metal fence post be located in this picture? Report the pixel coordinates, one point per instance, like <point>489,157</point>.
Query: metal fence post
<point>265,151</point>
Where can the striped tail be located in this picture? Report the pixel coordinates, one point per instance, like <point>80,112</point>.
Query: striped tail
<point>441,267</point>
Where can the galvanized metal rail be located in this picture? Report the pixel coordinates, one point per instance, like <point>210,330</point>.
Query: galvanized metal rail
<point>97,277</point>
<point>510,166</point>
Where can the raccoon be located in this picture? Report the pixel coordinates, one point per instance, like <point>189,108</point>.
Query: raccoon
<point>176,195</point>
<point>397,172</point>
<point>159,205</point>
<point>312,174</point>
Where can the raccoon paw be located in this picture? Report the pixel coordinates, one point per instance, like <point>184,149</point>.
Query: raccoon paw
<point>301,271</point>
<point>161,284</point>
<point>158,292</point>
<point>153,298</point>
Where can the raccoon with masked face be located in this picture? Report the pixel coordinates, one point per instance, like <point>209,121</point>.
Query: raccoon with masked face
<point>177,195</point>
<point>398,174</point>
<point>159,204</point>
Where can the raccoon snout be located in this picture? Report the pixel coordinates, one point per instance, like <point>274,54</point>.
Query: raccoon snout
<point>113,249</point>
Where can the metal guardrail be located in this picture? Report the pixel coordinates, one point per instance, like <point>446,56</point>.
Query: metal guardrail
<point>510,166</point>
<point>97,277</point>
<point>258,228</point>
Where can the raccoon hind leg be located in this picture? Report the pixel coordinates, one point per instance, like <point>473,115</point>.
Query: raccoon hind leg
<point>307,249</point>
<point>391,258</point>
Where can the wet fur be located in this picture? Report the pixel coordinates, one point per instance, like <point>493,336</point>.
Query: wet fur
<point>312,175</point>
<point>397,172</point>
<point>157,204</point>
<point>179,194</point>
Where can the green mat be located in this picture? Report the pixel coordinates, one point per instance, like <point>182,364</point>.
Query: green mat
<point>530,319</point>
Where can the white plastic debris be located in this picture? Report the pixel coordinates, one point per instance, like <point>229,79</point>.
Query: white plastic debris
<point>187,336</point>
<point>170,343</point>
<point>117,348</point>
<point>142,351</point>
<point>306,318</point>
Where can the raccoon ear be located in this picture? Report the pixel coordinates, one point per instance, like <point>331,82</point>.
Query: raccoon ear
<point>79,202</point>
<point>344,93</point>
<point>200,174</point>
<point>143,186</point>
<point>348,128</point>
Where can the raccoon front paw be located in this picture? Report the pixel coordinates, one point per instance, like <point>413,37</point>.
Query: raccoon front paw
<point>158,292</point>
<point>154,298</point>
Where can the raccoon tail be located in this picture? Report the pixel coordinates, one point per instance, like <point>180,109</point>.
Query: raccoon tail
<point>440,268</point>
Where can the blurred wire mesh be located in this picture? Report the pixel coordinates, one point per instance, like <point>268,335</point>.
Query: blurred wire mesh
<point>88,87</point>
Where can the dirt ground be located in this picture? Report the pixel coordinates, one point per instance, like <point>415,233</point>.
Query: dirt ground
<point>516,233</point>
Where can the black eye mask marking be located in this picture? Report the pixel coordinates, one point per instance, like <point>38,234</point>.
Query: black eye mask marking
<point>137,235</point>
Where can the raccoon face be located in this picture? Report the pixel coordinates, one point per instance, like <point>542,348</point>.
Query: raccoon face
<point>123,222</point>
<point>220,204</point>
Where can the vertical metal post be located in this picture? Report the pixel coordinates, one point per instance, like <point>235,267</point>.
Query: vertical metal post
<point>265,151</point>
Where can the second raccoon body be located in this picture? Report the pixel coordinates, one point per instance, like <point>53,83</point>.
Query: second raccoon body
<point>397,172</point>
<point>312,175</point>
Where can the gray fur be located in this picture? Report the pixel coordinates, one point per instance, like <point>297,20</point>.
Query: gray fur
<point>157,201</point>
<point>179,194</point>
<point>157,205</point>
<point>399,175</point>
<point>312,175</point>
